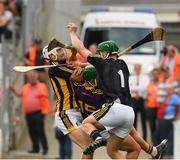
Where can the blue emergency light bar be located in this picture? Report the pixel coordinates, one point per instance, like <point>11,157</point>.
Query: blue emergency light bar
<point>120,9</point>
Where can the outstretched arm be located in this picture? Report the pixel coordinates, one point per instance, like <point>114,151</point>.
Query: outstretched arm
<point>76,42</point>
<point>15,91</point>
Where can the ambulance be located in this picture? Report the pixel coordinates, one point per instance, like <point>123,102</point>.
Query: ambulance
<point>126,28</point>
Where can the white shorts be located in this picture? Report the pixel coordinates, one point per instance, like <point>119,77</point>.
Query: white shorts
<point>67,121</point>
<point>105,134</point>
<point>116,118</point>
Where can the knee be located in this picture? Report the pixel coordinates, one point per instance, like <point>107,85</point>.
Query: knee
<point>137,148</point>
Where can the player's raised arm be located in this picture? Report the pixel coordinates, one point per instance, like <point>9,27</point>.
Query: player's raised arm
<point>76,42</point>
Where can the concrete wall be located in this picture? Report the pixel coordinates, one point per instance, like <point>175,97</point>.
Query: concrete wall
<point>48,18</point>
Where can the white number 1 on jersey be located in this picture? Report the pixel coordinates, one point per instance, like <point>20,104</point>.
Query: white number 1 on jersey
<point>120,72</point>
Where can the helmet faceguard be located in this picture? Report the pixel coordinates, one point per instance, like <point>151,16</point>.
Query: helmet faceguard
<point>54,52</point>
<point>45,53</point>
<point>107,48</point>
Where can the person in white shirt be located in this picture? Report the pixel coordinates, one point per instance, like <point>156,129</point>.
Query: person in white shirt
<point>138,83</point>
<point>165,84</point>
<point>5,21</point>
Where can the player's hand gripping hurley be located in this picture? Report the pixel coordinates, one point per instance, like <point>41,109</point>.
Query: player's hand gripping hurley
<point>157,34</point>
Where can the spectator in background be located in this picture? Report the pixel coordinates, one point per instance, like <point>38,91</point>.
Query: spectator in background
<point>138,84</point>
<point>35,105</point>
<point>172,62</point>
<point>177,89</point>
<point>165,89</point>
<point>163,86</point>
<point>65,145</point>
<point>19,6</point>
<point>5,22</point>
<point>33,58</point>
<point>151,102</point>
<point>167,113</point>
<point>12,7</point>
<point>163,53</point>
<point>93,48</point>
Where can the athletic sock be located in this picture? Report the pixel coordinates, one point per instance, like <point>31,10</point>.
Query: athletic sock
<point>154,152</point>
<point>95,135</point>
<point>150,148</point>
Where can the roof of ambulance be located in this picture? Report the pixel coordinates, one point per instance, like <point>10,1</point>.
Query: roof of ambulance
<point>120,19</point>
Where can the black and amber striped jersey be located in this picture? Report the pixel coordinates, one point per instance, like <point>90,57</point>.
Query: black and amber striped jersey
<point>63,87</point>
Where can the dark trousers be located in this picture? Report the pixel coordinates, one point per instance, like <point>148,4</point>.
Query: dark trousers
<point>138,106</point>
<point>4,31</point>
<point>35,123</point>
<point>164,130</point>
<point>65,145</point>
<point>151,118</point>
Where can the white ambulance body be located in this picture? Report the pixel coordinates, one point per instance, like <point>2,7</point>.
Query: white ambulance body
<point>126,28</point>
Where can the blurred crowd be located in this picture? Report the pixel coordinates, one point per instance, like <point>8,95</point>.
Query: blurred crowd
<point>157,97</point>
<point>9,10</point>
